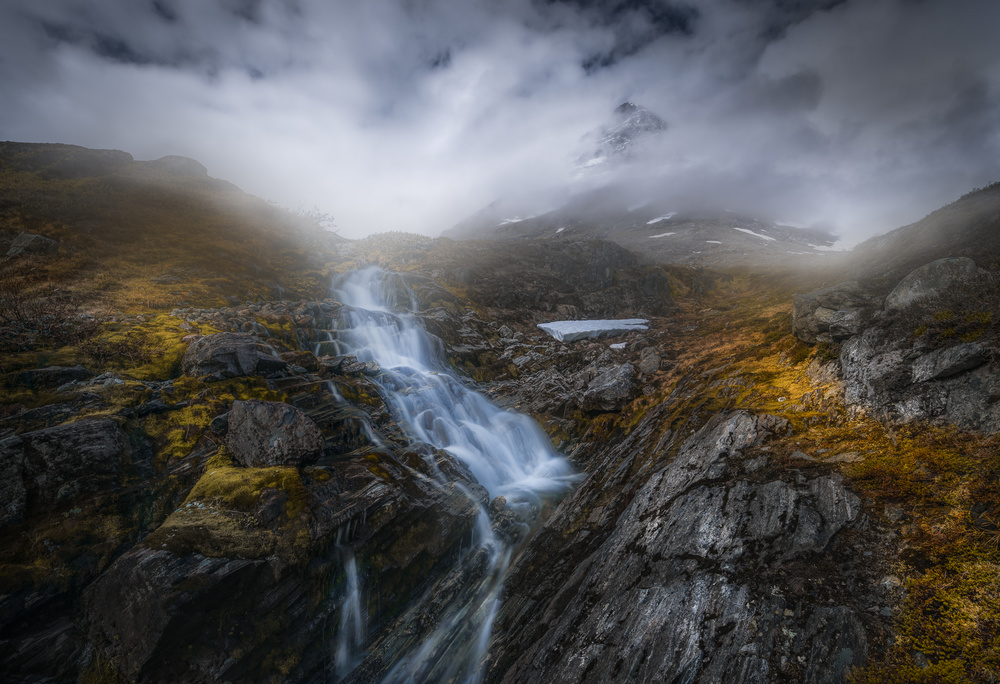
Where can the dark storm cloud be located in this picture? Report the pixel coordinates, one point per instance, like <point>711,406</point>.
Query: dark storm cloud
<point>410,114</point>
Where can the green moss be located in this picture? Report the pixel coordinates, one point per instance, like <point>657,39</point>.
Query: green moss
<point>217,518</point>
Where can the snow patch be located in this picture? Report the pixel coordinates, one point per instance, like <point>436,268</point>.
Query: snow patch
<point>570,331</point>
<point>662,218</point>
<point>662,235</point>
<point>829,248</point>
<point>750,232</point>
<point>618,345</point>
<point>714,242</point>
<point>559,230</point>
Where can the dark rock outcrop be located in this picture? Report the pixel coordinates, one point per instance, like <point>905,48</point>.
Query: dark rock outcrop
<point>266,433</point>
<point>690,582</point>
<point>58,463</point>
<point>228,355</point>
<point>53,376</point>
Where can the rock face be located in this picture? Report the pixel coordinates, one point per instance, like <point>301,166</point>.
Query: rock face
<point>228,355</point>
<point>267,433</point>
<point>26,243</point>
<point>899,375</point>
<point>835,313</point>
<point>944,363</point>
<point>955,385</point>
<point>45,466</point>
<point>931,279</point>
<point>688,586</point>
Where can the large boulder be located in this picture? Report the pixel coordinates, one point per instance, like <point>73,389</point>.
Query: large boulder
<point>47,466</point>
<point>835,312</point>
<point>267,433</point>
<point>930,280</point>
<point>229,355</point>
<point>611,390</point>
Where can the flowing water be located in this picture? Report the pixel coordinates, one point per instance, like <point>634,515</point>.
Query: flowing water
<point>507,452</point>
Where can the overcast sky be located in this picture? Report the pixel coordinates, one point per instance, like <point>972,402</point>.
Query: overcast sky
<point>412,114</point>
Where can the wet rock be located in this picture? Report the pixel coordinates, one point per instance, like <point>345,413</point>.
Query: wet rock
<point>684,584</point>
<point>610,391</point>
<point>930,280</point>
<point>944,363</point>
<point>36,466</point>
<point>228,355</point>
<point>27,243</point>
<point>266,433</point>
<point>303,359</point>
<point>53,376</point>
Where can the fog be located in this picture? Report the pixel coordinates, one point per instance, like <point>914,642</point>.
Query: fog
<point>413,114</point>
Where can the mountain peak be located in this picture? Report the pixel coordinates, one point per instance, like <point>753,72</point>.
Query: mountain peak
<point>630,125</point>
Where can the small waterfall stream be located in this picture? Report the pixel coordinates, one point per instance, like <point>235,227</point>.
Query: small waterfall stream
<point>507,452</point>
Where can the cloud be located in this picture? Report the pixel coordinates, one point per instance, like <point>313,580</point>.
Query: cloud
<point>411,114</point>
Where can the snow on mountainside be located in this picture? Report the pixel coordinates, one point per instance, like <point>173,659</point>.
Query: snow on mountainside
<point>602,212</point>
<point>630,126</point>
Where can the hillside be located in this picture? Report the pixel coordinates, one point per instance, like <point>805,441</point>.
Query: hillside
<point>968,227</point>
<point>234,447</point>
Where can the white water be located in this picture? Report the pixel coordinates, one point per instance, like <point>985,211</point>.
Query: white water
<point>353,623</point>
<point>507,452</point>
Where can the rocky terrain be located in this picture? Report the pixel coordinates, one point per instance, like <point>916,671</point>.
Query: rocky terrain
<point>786,477</point>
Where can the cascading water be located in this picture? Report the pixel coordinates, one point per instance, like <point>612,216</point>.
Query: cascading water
<point>507,452</point>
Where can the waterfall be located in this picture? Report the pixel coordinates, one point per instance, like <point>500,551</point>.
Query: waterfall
<point>351,635</point>
<point>507,452</point>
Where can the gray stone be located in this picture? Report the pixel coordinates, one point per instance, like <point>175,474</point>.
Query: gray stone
<point>930,280</point>
<point>228,355</point>
<point>26,243</point>
<point>611,390</point>
<point>846,323</point>
<point>267,433</point>
<point>944,363</point>
<point>820,312</point>
<point>649,364</point>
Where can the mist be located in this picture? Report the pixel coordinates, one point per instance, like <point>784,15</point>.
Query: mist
<point>413,114</point>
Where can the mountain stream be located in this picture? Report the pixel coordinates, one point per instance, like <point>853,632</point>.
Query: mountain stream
<point>507,452</point>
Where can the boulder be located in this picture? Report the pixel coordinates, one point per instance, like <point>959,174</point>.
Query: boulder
<point>228,355</point>
<point>944,363</point>
<point>611,390</point>
<point>46,466</point>
<point>267,433</point>
<point>26,243</point>
<point>930,280</point>
<point>649,362</point>
<point>53,376</point>
<point>303,359</point>
<point>835,310</point>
